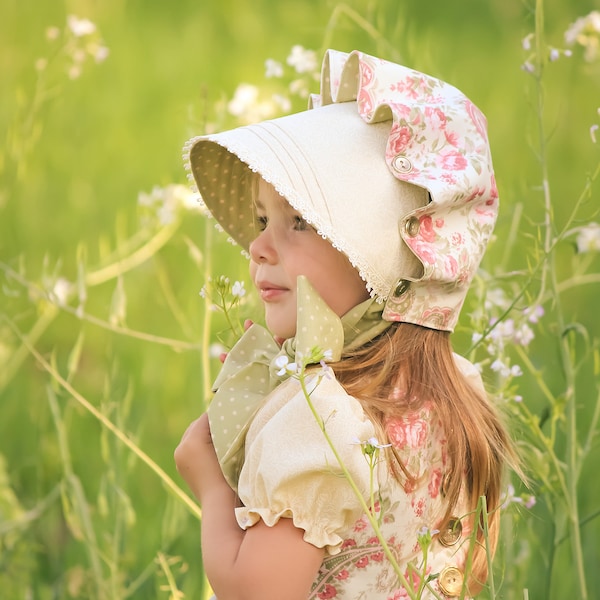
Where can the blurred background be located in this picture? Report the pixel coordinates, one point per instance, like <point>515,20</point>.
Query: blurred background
<point>103,253</point>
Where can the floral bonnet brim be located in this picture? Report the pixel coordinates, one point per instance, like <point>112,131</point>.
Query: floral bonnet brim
<point>391,165</point>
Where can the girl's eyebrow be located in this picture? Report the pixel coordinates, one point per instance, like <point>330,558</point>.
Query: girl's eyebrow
<point>258,204</point>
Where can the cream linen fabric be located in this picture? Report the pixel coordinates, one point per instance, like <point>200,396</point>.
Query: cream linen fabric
<point>290,469</point>
<point>249,373</point>
<point>290,472</point>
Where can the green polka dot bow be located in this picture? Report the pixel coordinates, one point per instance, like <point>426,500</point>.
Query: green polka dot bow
<point>250,372</point>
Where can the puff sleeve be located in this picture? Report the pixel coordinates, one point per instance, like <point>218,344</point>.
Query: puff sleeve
<point>290,470</point>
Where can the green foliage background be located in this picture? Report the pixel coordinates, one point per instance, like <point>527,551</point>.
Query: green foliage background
<point>72,167</point>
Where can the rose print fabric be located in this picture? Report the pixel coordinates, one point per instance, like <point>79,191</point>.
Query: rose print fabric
<point>438,141</point>
<point>391,165</point>
<point>291,472</point>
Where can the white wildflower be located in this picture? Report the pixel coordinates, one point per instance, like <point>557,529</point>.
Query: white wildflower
<point>78,55</point>
<point>181,196</point>
<point>80,27</point>
<point>283,102</point>
<point>216,350</point>
<point>495,297</point>
<point>165,214</point>
<point>371,443</point>
<point>585,32</point>
<point>273,68</point>
<point>593,130</point>
<point>516,371</point>
<point>245,96</point>
<point>328,354</point>
<point>299,87</point>
<point>301,59</point>
<point>526,42</point>
<point>52,33</point>
<point>588,239</point>
<point>504,330</point>
<point>285,366</point>
<point>245,105</point>
<point>523,335</point>
<point>499,367</point>
<point>325,370</point>
<point>61,291</point>
<point>100,53</point>
<point>535,313</point>
<point>530,502</point>
<point>509,497</point>
<point>238,290</point>
<point>528,67</point>
<point>74,72</point>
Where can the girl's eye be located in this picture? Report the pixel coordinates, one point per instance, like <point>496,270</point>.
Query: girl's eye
<point>261,223</point>
<point>300,224</point>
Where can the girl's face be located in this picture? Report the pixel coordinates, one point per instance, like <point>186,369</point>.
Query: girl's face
<point>287,247</point>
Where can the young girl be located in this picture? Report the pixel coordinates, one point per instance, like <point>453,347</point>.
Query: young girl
<point>365,218</point>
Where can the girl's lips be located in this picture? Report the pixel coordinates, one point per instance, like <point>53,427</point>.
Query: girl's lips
<point>269,292</point>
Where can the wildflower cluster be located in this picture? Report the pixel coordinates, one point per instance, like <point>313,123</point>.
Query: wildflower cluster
<point>552,54</point>
<point>588,238</point>
<point>163,204</point>
<point>585,32</point>
<point>297,74</point>
<point>80,43</point>
<point>297,369</point>
<point>503,334</point>
<point>225,297</point>
<point>371,449</point>
<point>509,497</point>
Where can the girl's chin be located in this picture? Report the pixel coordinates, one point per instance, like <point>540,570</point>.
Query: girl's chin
<point>279,331</point>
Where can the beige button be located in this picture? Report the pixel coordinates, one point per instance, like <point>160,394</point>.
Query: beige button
<point>451,582</point>
<point>451,533</point>
<point>412,226</point>
<point>401,164</point>
<point>401,287</point>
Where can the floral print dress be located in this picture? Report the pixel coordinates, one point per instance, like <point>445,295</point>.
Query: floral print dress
<point>290,471</point>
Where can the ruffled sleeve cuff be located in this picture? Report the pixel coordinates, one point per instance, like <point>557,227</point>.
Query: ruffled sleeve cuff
<point>291,471</point>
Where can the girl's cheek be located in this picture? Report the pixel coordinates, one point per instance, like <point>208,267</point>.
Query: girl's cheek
<point>252,267</point>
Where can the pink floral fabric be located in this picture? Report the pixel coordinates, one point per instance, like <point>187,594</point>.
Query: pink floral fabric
<point>290,472</point>
<point>438,141</point>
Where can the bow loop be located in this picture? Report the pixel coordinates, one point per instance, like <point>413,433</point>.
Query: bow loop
<point>249,373</point>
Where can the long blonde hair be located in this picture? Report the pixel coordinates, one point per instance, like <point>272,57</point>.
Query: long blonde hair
<point>420,362</point>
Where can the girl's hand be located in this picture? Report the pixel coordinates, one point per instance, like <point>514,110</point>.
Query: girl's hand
<point>196,459</point>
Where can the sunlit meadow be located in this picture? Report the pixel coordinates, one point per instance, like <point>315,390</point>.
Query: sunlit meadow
<point>119,294</point>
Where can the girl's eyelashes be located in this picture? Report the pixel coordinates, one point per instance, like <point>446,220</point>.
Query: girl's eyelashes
<point>300,224</point>
<point>261,222</point>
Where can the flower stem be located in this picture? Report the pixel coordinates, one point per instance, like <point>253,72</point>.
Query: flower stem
<point>370,516</point>
<point>168,481</point>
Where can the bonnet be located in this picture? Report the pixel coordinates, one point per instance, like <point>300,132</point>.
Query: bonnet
<point>392,166</point>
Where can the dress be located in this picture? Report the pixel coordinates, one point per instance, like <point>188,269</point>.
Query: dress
<point>290,471</point>
<point>274,453</point>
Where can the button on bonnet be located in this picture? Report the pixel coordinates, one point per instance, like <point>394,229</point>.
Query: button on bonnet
<point>401,164</point>
<point>412,226</point>
<point>401,287</point>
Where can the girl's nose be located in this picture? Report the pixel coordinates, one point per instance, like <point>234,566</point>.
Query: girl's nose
<point>262,249</point>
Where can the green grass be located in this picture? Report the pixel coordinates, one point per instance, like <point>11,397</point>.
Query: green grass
<point>81,513</point>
